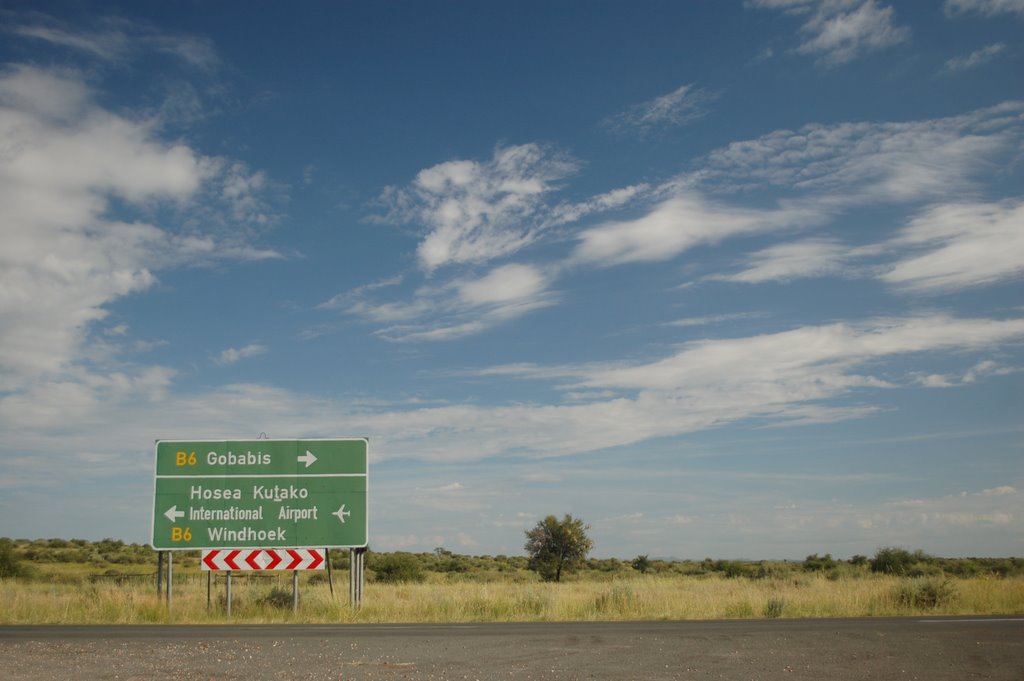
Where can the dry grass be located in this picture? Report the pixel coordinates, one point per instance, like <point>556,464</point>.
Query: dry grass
<point>636,598</point>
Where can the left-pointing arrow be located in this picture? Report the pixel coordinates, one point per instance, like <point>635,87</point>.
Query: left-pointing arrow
<point>173,513</point>
<point>211,559</point>
<point>252,559</point>
<point>229,559</point>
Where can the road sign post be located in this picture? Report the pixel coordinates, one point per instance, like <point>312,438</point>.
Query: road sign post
<point>219,494</point>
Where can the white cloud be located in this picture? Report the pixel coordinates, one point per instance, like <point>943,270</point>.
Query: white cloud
<point>108,46</point>
<point>573,212</point>
<point>796,260</point>
<point>63,258</point>
<point>986,7</point>
<point>972,375</point>
<point>503,284</point>
<point>233,355</point>
<point>855,163</point>
<point>809,363</point>
<point>991,507</point>
<point>841,30</point>
<point>974,59</point>
<point>682,106</point>
<point>841,35</point>
<point>461,307</point>
<point>681,223</point>
<point>716,319</point>
<point>243,189</point>
<point>1002,490</point>
<point>805,375</point>
<point>74,181</point>
<point>475,212</point>
<point>116,40</point>
<point>946,248</point>
<point>829,169</point>
<point>957,246</point>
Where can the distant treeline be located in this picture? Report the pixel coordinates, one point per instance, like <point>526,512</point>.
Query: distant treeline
<point>113,555</point>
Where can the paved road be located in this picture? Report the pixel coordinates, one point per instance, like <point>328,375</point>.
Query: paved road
<point>933,649</point>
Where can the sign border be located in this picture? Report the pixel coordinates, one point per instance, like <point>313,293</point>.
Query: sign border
<point>156,463</point>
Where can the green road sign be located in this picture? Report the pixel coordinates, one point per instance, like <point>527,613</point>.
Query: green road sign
<point>212,494</point>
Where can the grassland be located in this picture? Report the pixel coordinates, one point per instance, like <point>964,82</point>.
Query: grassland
<point>69,583</point>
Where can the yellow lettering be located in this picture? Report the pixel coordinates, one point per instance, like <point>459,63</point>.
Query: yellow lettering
<point>181,534</point>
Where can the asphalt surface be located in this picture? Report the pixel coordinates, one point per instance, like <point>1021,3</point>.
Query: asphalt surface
<point>932,649</point>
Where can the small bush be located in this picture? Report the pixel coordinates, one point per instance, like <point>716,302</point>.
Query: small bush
<point>278,598</point>
<point>396,568</point>
<point>926,593</point>
<point>454,564</point>
<point>816,563</point>
<point>732,568</point>
<point>621,600</point>
<point>892,560</point>
<point>10,565</point>
<point>774,607</point>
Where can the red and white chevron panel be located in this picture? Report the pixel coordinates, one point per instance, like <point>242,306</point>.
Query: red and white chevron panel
<point>263,559</point>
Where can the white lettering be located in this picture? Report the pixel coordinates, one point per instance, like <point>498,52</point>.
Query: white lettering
<point>289,513</point>
<point>232,459</point>
<point>206,494</point>
<point>246,534</point>
<point>278,493</point>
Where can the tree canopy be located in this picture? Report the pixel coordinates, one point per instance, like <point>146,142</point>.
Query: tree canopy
<point>557,546</point>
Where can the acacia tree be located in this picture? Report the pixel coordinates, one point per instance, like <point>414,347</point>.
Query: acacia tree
<point>556,546</point>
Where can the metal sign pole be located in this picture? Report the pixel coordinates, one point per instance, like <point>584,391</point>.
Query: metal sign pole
<point>330,575</point>
<point>170,572</point>
<point>356,566</point>
<point>229,593</point>
<point>159,574</point>
<point>295,591</point>
<point>352,578</point>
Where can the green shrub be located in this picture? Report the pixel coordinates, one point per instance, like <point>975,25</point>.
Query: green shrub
<point>892,560</point>
<point>816,563</point>
<point>641,564</point>
<point>395,568</point>
<point>926,593</point>
<point>278,598</point>
<point>732,568</point>
<point>619,600</point>
<point>455,564</point>
<point>774,607</point>
<point>10,564</point>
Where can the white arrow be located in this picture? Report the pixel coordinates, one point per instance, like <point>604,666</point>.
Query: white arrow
<point>342,513</point>
<point>308,458</point>
<point>173,513</point>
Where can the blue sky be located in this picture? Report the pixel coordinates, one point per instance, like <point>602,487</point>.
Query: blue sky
<point>723,279</point>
